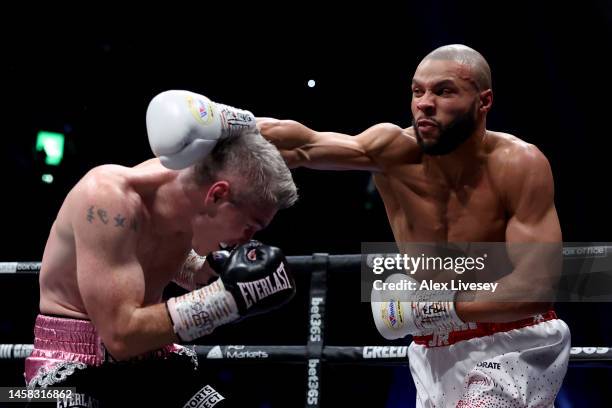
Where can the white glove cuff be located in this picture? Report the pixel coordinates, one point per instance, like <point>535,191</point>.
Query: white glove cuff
<point>430,310</point>
<point>435,311</point>
<point>235,121</point>
<point>199,312</point>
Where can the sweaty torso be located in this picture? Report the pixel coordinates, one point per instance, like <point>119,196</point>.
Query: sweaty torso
<point>160,258</point>
<point>423,207</point>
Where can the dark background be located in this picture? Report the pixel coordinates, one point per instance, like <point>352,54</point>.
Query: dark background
<point>91,75</point>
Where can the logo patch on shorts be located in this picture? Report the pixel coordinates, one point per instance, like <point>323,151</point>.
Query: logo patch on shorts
<point>489,364</point>
<point>207,397</point>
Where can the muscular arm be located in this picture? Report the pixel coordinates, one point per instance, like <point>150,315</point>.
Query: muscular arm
<point>302,146</point>
<point>533,241</point>
<point>111,282</point>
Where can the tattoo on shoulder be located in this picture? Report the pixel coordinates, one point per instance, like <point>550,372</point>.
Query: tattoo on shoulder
<point>90,214</point>
<point>95,213</point>
<point>119,221</point>
<point>102,215</point>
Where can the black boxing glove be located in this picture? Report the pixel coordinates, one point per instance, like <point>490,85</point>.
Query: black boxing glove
<point>256,274</point>
<point>253,279</point>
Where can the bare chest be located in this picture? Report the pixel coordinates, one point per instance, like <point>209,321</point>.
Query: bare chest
<point>423,209</point>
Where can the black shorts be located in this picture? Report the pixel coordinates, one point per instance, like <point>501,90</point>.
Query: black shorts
<point>170,382</point>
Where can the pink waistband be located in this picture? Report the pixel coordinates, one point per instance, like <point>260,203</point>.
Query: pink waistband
<point>64,341</point>
<point>72,336</point>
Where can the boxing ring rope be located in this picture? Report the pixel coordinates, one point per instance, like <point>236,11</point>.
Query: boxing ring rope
<point>363,355</point>
<point>315,352</point>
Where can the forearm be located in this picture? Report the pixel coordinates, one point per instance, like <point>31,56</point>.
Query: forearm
<point>285,134</point>
<point>515,297</point>
<point>291,138</point>
<point>497,312</point>
<point>425,311</point>
<point>303,147</point>
<point>148,328</point>
<point>529,289</point>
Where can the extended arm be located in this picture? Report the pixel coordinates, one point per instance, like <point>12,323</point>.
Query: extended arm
<point>302,146</point>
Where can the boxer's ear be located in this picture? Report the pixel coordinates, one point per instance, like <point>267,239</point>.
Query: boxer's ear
<point>485,101</point>
<point>217,193</point>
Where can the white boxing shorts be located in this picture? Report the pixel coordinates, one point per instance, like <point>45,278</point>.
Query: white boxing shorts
<point>517,364</point>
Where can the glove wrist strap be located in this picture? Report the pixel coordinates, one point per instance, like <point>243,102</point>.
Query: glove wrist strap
<point>234,121</point>
<point>199,312</point>
<point>435,311</point>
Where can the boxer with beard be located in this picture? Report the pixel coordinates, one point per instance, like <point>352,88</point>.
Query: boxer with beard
<point>449,179</point>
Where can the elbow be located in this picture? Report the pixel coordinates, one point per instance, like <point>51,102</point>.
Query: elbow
<point>117,345</point>
<point>523,310</point>
<point>499,312</point>
<point>534,308</point>
<point>118,349</point>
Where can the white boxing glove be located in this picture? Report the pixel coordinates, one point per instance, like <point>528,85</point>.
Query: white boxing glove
<point>183,127</point>
<point>426,312</point>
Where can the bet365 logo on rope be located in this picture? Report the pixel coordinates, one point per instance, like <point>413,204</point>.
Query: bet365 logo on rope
<point>315,319</point>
